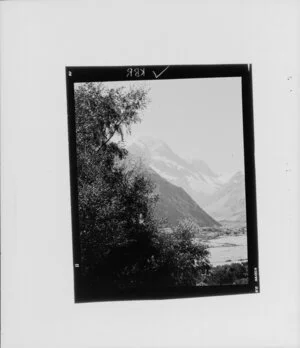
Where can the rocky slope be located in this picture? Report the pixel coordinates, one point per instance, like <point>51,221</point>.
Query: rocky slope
<point>222,196</point>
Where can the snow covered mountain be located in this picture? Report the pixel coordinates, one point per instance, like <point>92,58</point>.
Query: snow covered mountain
<point>223,197</point>
<point>175,204</point>
<point>228,203</point>
<point>194,176</point>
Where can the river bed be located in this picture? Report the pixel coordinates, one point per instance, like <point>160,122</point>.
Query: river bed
<point>228,249</point>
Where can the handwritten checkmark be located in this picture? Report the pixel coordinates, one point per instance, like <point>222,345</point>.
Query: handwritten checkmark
<point>156,76</point>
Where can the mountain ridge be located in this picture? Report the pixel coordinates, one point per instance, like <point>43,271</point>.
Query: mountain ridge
<point>175,204</point>
<point>196,178</point>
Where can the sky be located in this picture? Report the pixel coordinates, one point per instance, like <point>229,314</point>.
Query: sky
<point>196,118</point>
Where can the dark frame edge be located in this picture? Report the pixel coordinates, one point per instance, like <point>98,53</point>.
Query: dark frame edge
<point>73,180</point>
<point>250,179</point>
<point>78,74</point>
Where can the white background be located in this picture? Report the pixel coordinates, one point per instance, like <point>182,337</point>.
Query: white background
<point>38,39</point>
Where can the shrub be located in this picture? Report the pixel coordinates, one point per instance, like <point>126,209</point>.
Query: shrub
<point>232,274</point>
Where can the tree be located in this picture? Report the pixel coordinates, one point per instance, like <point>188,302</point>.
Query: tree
<point>121,242</point>
<point>112,200</point>
<point>102,113</point>
<point>184,260</point>
<point>234,273</point>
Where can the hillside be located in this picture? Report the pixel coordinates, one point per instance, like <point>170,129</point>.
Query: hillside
<point>228,203</point>
<point>194,176</point>
<point>222,196</point>
<point>175,204</point>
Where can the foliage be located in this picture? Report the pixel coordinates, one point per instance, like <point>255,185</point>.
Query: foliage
<point>233,274</point>
<point>102,113</point>
<point>183,260</point>
<point>121,241</point>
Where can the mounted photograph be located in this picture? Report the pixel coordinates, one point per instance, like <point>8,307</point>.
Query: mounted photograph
<point>162,182</point>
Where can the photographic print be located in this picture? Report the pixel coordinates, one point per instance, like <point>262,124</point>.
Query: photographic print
<point>160,165</point>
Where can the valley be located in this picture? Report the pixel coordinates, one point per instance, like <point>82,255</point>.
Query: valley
<point>189,189</point>
<point>225,244</point>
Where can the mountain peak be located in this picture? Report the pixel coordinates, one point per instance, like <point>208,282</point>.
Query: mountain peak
<point>194,176</point>
<point>202,166</point>
<point>237,177</point>
<point>150,142</point>
<point>150,146</point>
